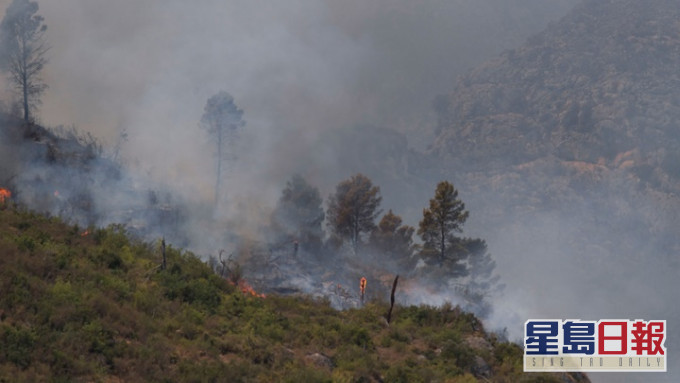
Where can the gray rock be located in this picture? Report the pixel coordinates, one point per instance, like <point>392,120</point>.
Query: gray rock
<point>320,360</point>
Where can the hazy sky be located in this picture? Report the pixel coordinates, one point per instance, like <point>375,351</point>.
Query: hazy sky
<point>296,68</point>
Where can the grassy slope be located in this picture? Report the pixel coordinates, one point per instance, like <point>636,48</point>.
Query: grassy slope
<point>98,308</point>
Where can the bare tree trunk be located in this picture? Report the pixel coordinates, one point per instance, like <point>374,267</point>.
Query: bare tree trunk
<point>355,236</point>
<point>394,288</point>
<point>25,89</point>
<point>24,79</point>
<point>164,263</point>
<point>442,247</point>
<point>223,263</point>
<point>219,166</point>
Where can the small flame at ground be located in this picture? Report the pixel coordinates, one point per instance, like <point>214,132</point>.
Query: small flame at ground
<point>248,290</point>
<point>4,195</point>
<point>85,233</point>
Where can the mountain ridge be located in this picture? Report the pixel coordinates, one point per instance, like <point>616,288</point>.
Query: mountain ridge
<point>593,85</point>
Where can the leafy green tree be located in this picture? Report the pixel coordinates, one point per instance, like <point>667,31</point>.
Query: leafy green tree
<point>23,51</point>
<point>222,119</point>
<point>445,216</point>
<point>299,213</point>
<point>394,240</point>
<point>353,208</point>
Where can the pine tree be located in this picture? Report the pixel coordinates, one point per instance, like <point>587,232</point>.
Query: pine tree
<point>445,216</point>
<point>23,51</point>
<point>465,262</point>
<point>222,118</point>
<point>352,209</point>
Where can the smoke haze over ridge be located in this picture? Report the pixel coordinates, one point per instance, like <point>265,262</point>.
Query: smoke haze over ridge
<point>297,68</point>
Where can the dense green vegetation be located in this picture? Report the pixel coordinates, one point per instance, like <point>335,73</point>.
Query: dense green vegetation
<point>90,304</point>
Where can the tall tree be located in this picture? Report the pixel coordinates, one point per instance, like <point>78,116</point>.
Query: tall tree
<point>299,213</point>
<point>464,262</point>
<point>445,216</point>
<point>222,119</point>
<point>394,240</point>
<point>23,51</point>
<point>353,208</point>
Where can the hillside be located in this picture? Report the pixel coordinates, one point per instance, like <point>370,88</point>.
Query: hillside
<point>66,173</point>
<point>590,102</point>
<point>89,304</point>
<point>576,130</point>
<point>599,83</point>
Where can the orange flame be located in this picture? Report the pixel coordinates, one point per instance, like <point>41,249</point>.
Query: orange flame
<point>4,194</point>
<point>248,290</point>
<point>85,233</point>
<point>362,285</point>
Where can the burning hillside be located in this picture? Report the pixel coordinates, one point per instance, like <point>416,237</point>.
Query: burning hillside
<point>66,173</point>
<point>85,308</point>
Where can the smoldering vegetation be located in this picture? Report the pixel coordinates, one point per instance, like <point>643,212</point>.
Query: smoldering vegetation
<point>290,249</point>
<point>64,172</point>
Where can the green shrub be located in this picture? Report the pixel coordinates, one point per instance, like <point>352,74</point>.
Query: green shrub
<point>115,286</point>
<point>17,292</point>
<point>114,237</point>
<point>26,243</point>
<point>100,340</point>
<point>108,258</point>
<point>356,335</point>
<point>398,334</point>
<point>23,225</point>
<point>404,374</point>
<point>201,292</point>
<point>354,358</point>
<point>17,345</point>
<point>301,373</point>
